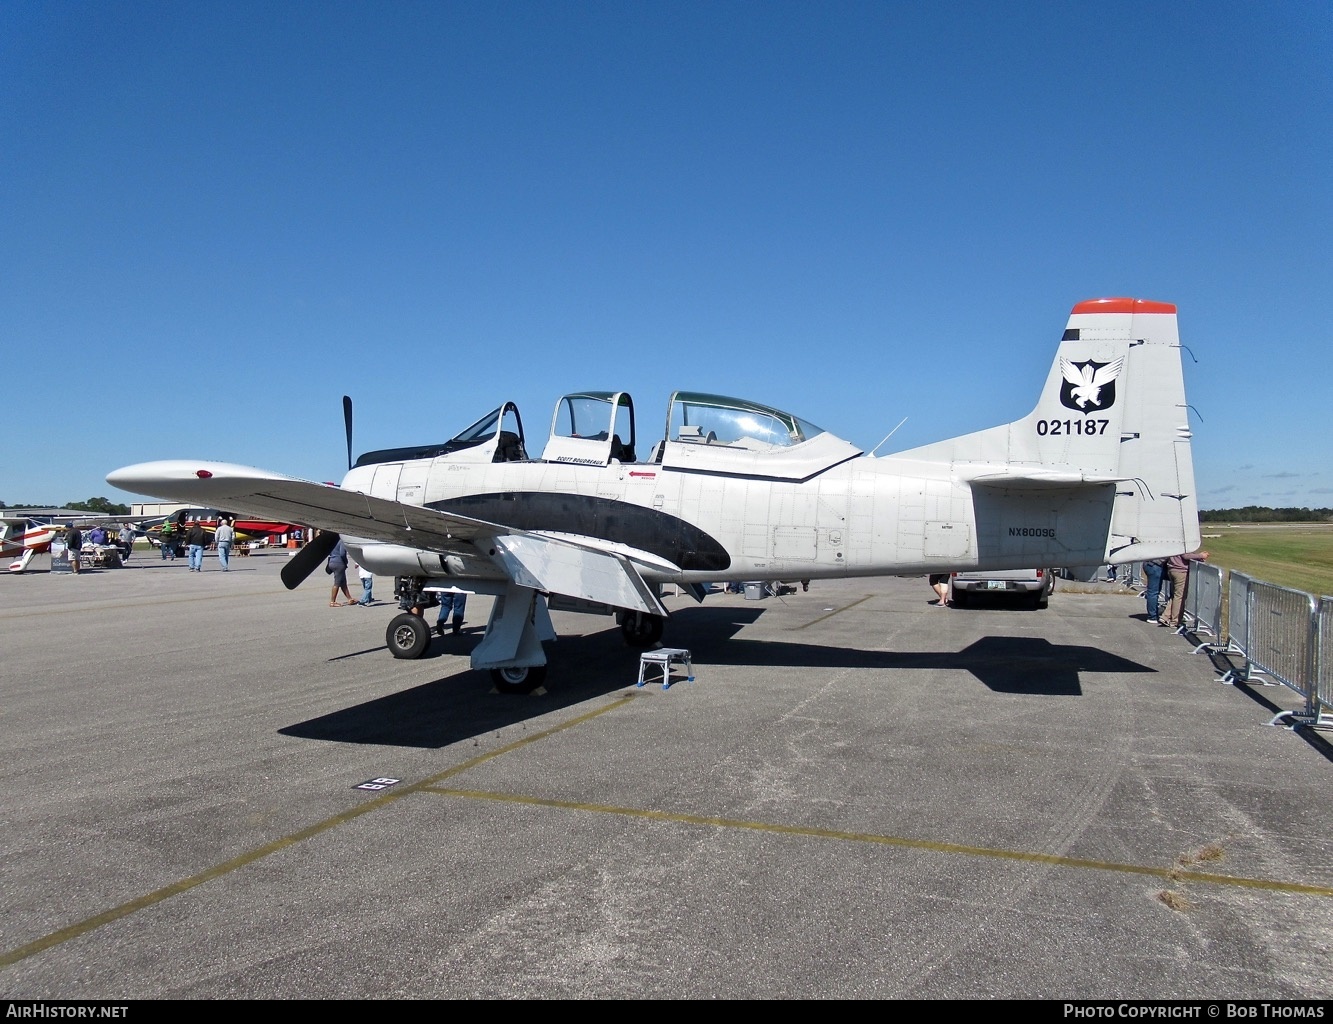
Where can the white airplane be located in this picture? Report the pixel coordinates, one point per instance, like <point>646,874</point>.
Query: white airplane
<point>1099,472</point>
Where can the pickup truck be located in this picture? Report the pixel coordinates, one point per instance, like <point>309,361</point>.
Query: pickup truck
<point>1033,585</point>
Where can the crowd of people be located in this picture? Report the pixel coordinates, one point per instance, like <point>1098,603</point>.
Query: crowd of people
<point>99,545</point>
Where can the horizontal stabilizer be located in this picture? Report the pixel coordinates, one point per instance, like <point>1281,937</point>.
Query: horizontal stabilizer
<point>1029,476</point>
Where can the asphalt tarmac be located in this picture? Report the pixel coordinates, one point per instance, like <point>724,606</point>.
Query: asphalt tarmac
<point>860,795</point>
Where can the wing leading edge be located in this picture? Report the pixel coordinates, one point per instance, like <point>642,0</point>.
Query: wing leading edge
<point>531,560</point>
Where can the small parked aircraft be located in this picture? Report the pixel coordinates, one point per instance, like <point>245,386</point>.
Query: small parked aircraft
<point>21,539</point>
<point>1100,471</point>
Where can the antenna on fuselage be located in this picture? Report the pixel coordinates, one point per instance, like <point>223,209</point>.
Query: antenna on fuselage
<point>347,420</point>
<point>886,437</point>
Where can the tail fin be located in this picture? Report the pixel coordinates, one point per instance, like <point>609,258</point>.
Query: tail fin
<point>1112,418</point>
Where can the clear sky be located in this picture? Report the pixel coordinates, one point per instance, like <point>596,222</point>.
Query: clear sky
<point>218,218</point>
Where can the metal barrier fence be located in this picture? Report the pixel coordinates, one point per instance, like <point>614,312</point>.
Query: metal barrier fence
<point>1278,632</point>
<point>1324,658</point>
<point>1202,612</point>
<point>1238,614</point>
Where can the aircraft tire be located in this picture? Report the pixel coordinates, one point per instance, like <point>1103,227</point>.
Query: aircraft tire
<point>518,680</point>
<point>408,636</point>
<point>642,631</point>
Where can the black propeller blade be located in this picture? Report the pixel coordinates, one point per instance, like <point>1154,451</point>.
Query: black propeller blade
<point>347,419</point>
<point>307,560</point>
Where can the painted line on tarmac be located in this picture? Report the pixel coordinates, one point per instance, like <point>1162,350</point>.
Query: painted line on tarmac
<point>1175,874</point>
<point>13,956</point>
<point>836,611</point>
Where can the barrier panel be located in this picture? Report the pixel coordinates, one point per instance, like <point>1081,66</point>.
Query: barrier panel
<point>1281,641</point>
<point>1129,575</point>
<point>1324,662</point>
<point>1202,614</point>
<point>1238,618</point>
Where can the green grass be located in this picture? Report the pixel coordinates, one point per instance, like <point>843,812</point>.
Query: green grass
<point>1297,556</point>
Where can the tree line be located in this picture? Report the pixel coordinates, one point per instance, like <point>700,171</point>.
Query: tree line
<point>102,506</point>
<point>1262,514</point>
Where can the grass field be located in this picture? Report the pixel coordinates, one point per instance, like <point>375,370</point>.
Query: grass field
<point>1291,555</point>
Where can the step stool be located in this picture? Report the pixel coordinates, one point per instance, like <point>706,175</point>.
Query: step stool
<point>662,659</point>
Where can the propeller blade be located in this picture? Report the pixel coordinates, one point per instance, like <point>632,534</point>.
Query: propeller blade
<point>347,419</point>
<point>307,560</point>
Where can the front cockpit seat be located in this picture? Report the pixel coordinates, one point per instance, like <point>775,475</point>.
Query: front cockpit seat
<point>510,448</point>
<point>620,451</point>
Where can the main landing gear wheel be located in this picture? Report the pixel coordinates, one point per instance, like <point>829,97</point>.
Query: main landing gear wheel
<point>408,636</point>
<point>518,680</point>
<point>641,631</point>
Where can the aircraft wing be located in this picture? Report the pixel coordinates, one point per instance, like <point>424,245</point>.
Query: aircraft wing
<point>549,564</point>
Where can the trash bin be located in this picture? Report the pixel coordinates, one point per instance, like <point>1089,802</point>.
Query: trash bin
<point>60,557</point>
<point>754,591</point>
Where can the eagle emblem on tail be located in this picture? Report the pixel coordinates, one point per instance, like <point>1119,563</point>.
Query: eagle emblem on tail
<point>1090,385</point>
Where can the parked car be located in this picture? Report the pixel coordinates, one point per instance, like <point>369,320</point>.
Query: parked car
<point>1034,586</point>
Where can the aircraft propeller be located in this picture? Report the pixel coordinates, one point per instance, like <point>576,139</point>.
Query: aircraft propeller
<point>347,420</point>
<point>307,559</point>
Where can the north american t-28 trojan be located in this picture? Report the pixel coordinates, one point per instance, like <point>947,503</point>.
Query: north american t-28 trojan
<point>1099,472</point>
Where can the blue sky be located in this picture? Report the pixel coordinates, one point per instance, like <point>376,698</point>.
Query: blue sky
<point>217,219</point>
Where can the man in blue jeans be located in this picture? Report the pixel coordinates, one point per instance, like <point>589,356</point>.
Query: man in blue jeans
<point>225,537</point>
<point>451,601</point>
<point>1153,592</point>
<point>197,538</point>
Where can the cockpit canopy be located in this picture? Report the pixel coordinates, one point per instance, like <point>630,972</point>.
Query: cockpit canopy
<point>592,428</point>
<point>496,437</point>
<point>715,419</point>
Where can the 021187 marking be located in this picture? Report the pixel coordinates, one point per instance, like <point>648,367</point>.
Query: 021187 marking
<point>1057,427</point>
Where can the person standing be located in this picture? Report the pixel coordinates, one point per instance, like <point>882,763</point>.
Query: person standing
<point>939,582</point>
<point>1178,569</point>
<point>452,602</point>
<point>1152,592</point>
<point>126,538</point>
<point>367,585</point>
<point>73,545</point>
<point>168,540</point>
<point>196,539</point>
<point>225,537</point>
<point>336,566</point>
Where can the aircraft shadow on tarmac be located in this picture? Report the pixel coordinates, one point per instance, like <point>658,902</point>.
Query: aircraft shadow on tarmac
<point>463,704</point>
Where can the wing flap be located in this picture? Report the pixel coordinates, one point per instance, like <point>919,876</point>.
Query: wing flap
<point>575,571</point>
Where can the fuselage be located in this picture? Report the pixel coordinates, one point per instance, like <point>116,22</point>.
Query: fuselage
<point>859,516</point>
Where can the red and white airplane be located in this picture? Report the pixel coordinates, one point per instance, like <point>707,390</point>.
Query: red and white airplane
<point>1099,472</point>
<point>22,539</point>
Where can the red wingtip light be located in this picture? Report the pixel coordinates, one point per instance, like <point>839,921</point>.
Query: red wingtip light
<point>203,474</point>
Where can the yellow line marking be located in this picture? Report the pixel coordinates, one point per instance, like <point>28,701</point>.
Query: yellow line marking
<point>836,611</point>
<point>1173,873</point>
<point>226,867</point>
